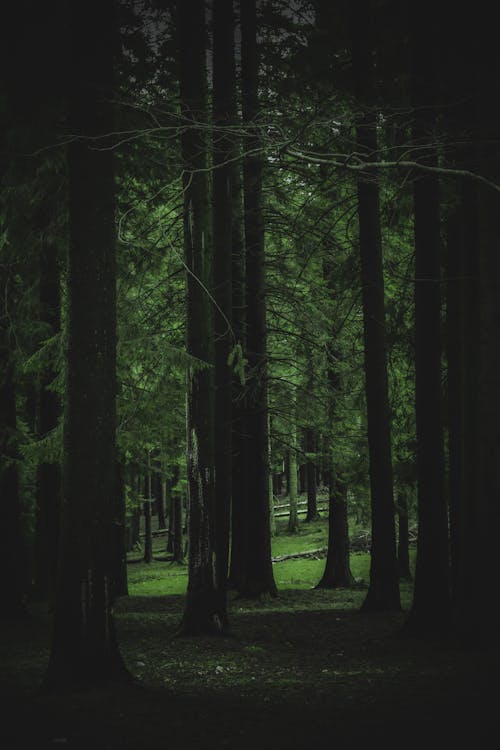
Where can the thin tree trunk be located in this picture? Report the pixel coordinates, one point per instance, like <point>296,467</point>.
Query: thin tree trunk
<point>147,508</point>
<point>312,503</point>
<point>293,518</point>
<point>403,538</point>
<point>120,580</point>
<point>159,500</point>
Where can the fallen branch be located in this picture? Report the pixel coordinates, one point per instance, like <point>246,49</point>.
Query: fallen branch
<point>316,554</point>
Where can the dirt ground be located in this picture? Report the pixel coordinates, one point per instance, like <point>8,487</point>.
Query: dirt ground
<point>305,671</point>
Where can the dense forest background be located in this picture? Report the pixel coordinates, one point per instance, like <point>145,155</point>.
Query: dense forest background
<point>249,293</point>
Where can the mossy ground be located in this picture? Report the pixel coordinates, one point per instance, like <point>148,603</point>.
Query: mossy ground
<point>305,670</point>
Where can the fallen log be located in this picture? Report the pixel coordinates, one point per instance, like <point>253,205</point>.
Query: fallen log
<point>316,554</point>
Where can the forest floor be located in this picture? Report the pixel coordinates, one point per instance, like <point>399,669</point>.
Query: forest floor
<point>305,670</point>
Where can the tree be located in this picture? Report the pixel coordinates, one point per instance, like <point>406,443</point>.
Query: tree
<point>258,576</point>
<point>430,611</point>
<point>84,647</point>
<point>337,567</point>
<point>224,109</point>
<point>48,488</point>
<point>383,591</point>
<point>204,611</point>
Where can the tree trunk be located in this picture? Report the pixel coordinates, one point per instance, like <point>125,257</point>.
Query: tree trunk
<point>48,476</point>
<point>310,447</point>
<point>337,573</point>
<point>10,511</point>
<point>258,574</point>
<point>204,611</point>
<point>120,580</point>
<point>302,478</point>
<point>454,380</point>
<point>147,508</point>
<point>159,500</point>
<point>403,538</point>
<point>224,115</point>
<point>84,646</point>
<point>488,445</point>
<point>467,530</point>
<point>430,612</point>
<point>239,436</point>
<point>383,591</point>
<point>293,518</point>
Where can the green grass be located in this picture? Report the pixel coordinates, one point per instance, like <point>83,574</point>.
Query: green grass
<point>167,578</point>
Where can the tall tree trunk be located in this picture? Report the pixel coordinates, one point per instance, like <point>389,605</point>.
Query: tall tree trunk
<point>239,460</point>
<point>383,591</point>
<point>293,518</point>
<point>120,579</point>
<point>84,645</point>
<point>10,510</point>
<point>203,612</point>
<point>310,448</point>
<point>454,371</point>
<point>224,111</point>
<point>430,612</point>
<point>467,530</point>
<point>48,477</point>
<point>403,537</point>
<point>147,508</point>
<point>258,575</point>
<point>488,421</point>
